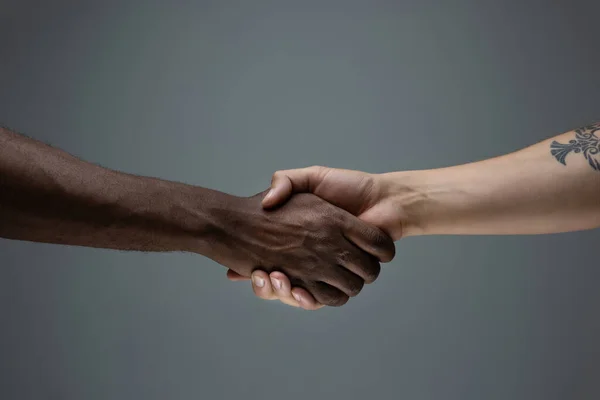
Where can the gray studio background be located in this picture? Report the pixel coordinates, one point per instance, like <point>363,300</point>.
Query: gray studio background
<point>223,93</point>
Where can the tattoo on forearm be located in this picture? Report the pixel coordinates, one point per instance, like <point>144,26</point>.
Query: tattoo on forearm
<point>586,142</point>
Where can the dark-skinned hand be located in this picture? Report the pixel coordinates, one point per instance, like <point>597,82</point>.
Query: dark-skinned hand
<point>318,246</point>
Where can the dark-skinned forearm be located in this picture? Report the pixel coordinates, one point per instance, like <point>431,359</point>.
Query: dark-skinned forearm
<point>48,195</point>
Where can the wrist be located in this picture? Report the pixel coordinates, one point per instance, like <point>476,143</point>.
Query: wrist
<point>427,201</point>
<point>402,192</point>
<point>213,222</point>
<point>182,217</point>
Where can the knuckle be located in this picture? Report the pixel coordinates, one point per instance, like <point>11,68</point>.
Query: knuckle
<point>345,257</point>
<point>317,172</point>
<point>315,169</point>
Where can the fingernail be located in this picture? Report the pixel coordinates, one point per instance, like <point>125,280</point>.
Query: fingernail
<point>260,282</point>
<point>297,297</point>
<point>276,283</point>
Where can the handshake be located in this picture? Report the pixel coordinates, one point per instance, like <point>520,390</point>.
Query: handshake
<point>319,234</point>
<point>324,231</point>
<point>315,238</point>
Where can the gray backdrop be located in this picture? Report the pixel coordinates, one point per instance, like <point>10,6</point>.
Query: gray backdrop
<point>223,93</point>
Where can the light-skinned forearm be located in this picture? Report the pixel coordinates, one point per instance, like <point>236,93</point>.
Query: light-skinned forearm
<point>526,192</point>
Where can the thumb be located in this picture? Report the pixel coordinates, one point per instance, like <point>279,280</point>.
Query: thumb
<point>382,219</point>
<point>285,183</point>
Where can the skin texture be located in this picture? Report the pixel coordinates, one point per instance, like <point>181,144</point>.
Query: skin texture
<point>47,195</point>
<point>550,187</point>
<point>308,239</point>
